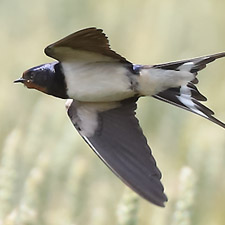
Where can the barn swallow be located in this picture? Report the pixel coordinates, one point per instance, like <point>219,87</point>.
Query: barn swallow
<point>103,88</point>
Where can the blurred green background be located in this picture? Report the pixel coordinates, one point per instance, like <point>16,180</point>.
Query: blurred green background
<point>48,175</point>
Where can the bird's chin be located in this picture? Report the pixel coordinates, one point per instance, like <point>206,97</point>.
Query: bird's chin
<point>31,85</point>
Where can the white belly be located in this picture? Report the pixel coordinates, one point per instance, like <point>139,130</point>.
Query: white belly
<point>152,81</point>
<point>97,82</point>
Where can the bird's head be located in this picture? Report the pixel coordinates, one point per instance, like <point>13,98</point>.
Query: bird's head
<point>46,78</point>
<point>35,78</point>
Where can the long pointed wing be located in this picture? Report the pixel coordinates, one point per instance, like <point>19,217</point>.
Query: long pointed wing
<point>187,96</point>
<point>113,132</point>
<point>89,44</point>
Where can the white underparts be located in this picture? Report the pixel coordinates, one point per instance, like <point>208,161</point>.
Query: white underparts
<point>152,81</point>
<point>97,81</point>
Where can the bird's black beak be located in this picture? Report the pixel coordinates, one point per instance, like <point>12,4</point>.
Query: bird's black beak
<point>20,80</point>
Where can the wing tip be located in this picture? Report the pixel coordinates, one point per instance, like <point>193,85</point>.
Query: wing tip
<point>163,202</point>
<point>160,201</point>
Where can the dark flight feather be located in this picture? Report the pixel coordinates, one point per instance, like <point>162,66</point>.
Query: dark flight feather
<point>90,40</point>
<point>120,143</point>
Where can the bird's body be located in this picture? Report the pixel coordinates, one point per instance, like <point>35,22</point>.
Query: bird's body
<point>104,87</point>
<point>98,82</point>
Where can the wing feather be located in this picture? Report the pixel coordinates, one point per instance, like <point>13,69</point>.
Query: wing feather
<point>86,41</point>
<point>119,141</point>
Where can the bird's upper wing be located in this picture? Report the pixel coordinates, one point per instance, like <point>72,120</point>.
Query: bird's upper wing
<point>187,96</point>
<point>87,44</point>
<point>113,132</point>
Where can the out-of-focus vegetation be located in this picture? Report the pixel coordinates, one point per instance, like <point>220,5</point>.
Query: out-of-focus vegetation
<point>48,175</point>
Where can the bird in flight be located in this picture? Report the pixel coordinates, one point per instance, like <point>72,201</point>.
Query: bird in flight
<point>103,88</point>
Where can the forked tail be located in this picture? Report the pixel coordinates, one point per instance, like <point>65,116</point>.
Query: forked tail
<point>187,96</point>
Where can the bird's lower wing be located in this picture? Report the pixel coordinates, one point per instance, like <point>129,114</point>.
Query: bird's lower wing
<point>116,137</point>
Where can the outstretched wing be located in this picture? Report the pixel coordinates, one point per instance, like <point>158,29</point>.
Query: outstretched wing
<point>89,44</point>
<point>113,132</point>
<point>187,96</point>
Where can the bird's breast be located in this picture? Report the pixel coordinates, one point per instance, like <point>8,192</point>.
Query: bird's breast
<point>97,82</point>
